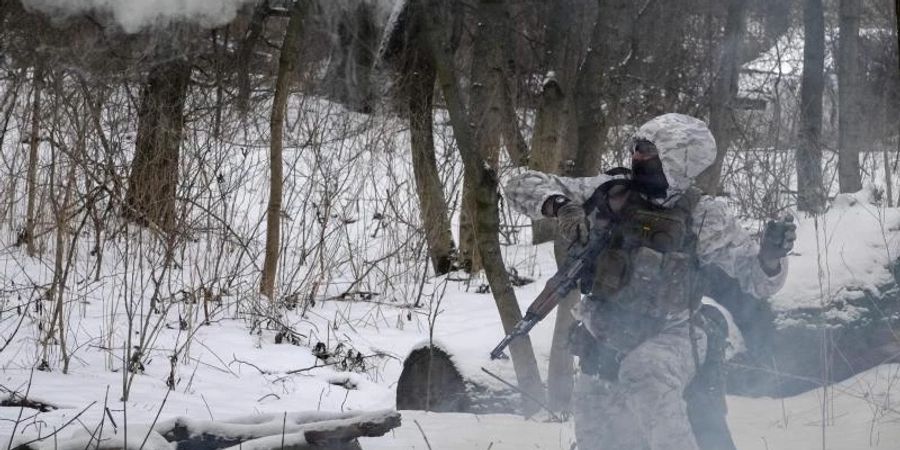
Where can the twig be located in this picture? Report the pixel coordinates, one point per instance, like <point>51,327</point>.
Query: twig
<point>16,331</point>
<point>307,369</point>
<point>208,411</point>
<point>99,430</point>
<point>21,410</point>
<point>271,394</point>
<point>283,427</point>
<point>56,430</point>
<point>517,389</point>
<point>262,372</point>
<point>158,412</point>
<point>423,433</point>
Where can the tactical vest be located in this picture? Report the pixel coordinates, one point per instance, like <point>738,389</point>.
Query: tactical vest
<point>648,273</point>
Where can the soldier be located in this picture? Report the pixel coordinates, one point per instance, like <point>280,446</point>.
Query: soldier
<point>643,339</point>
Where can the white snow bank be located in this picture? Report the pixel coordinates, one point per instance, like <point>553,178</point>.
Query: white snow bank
<point>847,250</point>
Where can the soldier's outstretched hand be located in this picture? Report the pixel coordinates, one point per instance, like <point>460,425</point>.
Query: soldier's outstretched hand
<point>778,239</point>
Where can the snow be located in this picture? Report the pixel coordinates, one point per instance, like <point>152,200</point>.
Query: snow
<point>467,325</point>
<point>860,414</point>
<point>139,437</point>
<point>132,15</point>
<point>231,369</point>
<point>259,425</point>
<point>841,253</point>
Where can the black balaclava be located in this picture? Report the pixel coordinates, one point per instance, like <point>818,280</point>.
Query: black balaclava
<point>647,170</point>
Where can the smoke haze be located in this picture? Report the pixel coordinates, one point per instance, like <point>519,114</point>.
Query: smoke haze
<point>133,15</point>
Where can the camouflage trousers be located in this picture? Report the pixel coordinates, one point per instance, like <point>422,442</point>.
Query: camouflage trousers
<point>645,408</point>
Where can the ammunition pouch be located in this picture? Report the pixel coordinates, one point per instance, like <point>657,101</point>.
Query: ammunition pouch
<point>594,358</point>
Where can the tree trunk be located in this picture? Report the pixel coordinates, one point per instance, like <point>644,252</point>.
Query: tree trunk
<point>218,67</point>
<point>287,62</point>
<point>349,72</point>
<point>591,124</point>
<point>488,216</point>
<point>596,83</point>
<point>561,368</point>
<point>433,208</point>
<point>550,122</point>
<point>897,125</point>
<point>810,188</point>
<point>245,54</point>
<point>60,268</point>
<point>513,139</point>
<point>546,147</point>
<point>546,157</point>
<point>362,53</point>
<point>850,115</point>
<point>33,143</point>
<point>154,171</point>
<point>486,109</point>
<point>468,248</point>
<point>724,90</point>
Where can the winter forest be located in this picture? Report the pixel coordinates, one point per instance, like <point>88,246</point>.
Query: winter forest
<point>294,224</point>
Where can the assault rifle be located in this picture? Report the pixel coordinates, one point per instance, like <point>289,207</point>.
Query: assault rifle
<point>558,286</point>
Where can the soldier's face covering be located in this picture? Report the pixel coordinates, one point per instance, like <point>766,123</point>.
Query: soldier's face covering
<point>647,170</point>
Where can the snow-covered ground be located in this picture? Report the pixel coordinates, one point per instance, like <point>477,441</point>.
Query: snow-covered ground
<point>859,415</point>
<point>230,372</point>
<point>341,219</point>
<point>856,419</point>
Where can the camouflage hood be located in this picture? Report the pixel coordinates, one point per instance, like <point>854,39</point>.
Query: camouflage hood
<point>686,148</point>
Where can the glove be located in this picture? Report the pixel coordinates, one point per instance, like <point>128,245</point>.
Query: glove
<point>573,225</point>
<point>778,240</point>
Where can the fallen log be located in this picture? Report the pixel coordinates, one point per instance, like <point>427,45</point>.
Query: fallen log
<point>301,431</point>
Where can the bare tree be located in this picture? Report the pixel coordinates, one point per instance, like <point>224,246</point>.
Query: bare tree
<point>154,171</point>
<point>486,185</point>
<point>494,77</point>
<point>486,103</point>
<point>552,134</point>
<point>405,49</point>
<point>33,143</point>
<point>589,86</point>
<point>433,208</point>
<point>287,62</point>
<point>811,191</point>
<point>850,139</point>
<point>551,129</point>
<point>348,78</point>
<point>724,90</point>
<point>244,55</point>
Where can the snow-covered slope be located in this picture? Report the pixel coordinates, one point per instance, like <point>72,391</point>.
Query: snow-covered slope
<point>840,255</point>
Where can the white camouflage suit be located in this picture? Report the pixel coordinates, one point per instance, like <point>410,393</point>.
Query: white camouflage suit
<point>645,409</point>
